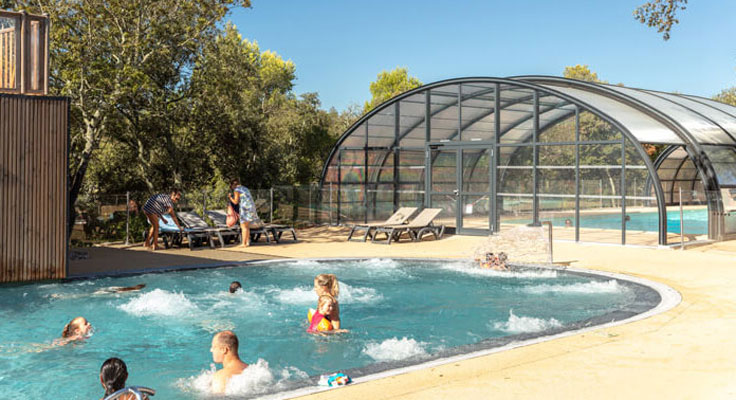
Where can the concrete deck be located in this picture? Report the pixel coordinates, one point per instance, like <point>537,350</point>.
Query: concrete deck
<point>688,352</point>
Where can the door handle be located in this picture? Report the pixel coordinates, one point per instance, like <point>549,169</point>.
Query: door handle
<point>455,192</point>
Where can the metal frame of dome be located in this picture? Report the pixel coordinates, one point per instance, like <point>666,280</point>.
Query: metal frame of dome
<point>570,90</point>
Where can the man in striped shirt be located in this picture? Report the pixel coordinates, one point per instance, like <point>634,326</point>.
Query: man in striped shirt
<point>155,208</point>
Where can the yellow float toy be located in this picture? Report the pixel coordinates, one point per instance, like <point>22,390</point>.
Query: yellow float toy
<point>324,325</point>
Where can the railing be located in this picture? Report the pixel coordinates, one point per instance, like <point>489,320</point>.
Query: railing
<point>24,53</point>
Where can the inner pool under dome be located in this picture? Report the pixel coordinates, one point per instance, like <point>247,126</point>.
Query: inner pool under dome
<point>400,312</point>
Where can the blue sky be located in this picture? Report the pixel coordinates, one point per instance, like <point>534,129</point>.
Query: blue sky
<point>340,46</point>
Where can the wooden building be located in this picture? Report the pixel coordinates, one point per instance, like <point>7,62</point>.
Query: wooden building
<point>34,138</point>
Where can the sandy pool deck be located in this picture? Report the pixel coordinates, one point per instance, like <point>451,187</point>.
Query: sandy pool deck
<point>688,352</point>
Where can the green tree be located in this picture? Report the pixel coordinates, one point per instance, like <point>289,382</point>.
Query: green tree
<point>389,84</point>
<point>581,73</point>
<point>104,54</point>
<point>727,96</point>
<point>660,14</point>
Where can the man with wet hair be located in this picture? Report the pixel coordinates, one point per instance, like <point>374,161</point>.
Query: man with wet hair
<point>234,286</point>
<point>225,351</point>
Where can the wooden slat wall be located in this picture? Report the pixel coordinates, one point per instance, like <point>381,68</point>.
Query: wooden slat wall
<point>33,188</point>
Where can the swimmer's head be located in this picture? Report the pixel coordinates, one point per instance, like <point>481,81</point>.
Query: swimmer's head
<point>326,284</point>
<point>235,286</point>
<point>223,343</point>
<point>78,327</point>
<point>325,305</point>
<point>113,375</point>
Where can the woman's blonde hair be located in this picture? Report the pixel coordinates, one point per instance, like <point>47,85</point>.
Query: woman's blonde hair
<point>329,281</point>
<point>323,300</point>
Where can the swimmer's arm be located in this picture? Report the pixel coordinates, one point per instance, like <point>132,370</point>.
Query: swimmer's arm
<point>218,382</point>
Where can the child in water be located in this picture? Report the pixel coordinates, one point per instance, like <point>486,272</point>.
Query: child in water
<point>327,285</point>
<point>77,329</point>
<point>319,321</point>
<point>494,262</point>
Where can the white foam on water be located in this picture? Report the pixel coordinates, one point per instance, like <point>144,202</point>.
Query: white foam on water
<point>299,295</point>
<point>523,324</point>
<point>394,349</point>
<point>610,286</point>
<point>354,294</point>
<point>160,302</point>
<point>472,268</point>
<point>258,378</point>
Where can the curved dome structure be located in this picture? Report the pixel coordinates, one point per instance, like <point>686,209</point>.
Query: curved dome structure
<point>499,152</point>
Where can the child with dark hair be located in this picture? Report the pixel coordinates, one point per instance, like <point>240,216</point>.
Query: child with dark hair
<point>234,286</point>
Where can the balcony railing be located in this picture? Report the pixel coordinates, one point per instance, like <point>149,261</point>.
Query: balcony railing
<point>24,53</point>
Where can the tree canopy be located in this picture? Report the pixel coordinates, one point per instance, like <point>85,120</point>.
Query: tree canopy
<point>660,14</point>
<point>389,84</point>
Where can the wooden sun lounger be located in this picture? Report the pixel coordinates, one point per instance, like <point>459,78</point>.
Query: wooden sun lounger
<point>416,229</point>
<point>400,217</point>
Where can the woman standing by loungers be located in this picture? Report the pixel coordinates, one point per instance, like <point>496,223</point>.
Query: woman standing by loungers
<point>155,208</point>
<point>241,196</point>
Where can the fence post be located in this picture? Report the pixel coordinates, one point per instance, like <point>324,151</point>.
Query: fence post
<point>549,224</point>
<point>204,203</point>
<point>682,224</point>
<point>127,217</point>
<point>330,206</point>
<point>271,207</point>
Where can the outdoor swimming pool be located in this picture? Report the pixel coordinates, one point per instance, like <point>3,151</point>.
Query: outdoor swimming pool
<point>399,312</point>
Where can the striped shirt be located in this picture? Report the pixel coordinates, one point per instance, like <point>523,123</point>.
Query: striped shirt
<point>158,204</point>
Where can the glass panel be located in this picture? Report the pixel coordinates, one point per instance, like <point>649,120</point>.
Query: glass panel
<point>561,212</point>
<point>477,112</point>
<point>412,121</point>
<point>379,202</point>
<point>592,127</point>
<point>380,127</point>
<point>724,120</point>
<point>476,170</point>
<point>644,128</point>
<point>642,222</point>
<point>517,114</point>
<point>411,166</point>
<point>444,113</point>
<point>701,128</point>
<point>444,174</point>
<point>352,204</point>
<point>514,210</point>
<point>556,120</point>
<point>448,204</point>
<point>600,220</point>
<point>411,195</point>
<point>352,166</point>
<point>724,163</point>
<point>380,166</point>
<point>515,174</point>
<point>8,53</point>
<point>356,138</point>
<point>476,212</point>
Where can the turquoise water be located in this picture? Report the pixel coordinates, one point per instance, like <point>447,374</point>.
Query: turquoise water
<point>395,310</point>
<point>696,221</point>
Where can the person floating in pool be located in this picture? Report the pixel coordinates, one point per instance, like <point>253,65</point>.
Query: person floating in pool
<point>120,289</point>
<point>319,320</point>
<point>495,262</point>
<point>235,286</point>
<point>77,329</point>
<point>225,351</point>
<point>327,285</point>
<point>113,375</point>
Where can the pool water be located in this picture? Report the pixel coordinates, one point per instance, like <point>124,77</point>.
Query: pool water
<point>396,310</point>
<point>696,221</point>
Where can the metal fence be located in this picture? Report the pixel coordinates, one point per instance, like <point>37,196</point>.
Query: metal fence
<point>118,217</point>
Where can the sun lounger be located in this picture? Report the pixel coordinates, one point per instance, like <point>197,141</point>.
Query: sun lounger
<point>257,228</point>
<point>172,236</point>
<point>193,221</point>
<point>400,216</point>
<point>416,229</point>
